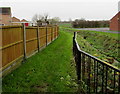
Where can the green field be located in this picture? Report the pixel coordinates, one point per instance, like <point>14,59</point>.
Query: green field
<point>103,45</point>
<point>51,70</point>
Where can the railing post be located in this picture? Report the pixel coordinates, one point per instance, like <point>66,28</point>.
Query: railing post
<point>79,65</point>
<point>119,83</point>
<point>24,41</point>
<point>74,44</point>
<point>74,35</point>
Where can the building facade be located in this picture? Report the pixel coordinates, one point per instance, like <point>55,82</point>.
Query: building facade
<point>5,16</point>
<point>115,22</point>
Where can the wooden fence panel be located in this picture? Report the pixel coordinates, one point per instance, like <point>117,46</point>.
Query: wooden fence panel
<point>49,35</point>
<point>31,40</point>
<point>53,32</point>
<point>12,44</point>
<point>0,59</point>
<point>42,37</point>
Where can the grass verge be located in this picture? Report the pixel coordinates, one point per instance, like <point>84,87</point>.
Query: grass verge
<point>103,45</point>
<point>51,70</point>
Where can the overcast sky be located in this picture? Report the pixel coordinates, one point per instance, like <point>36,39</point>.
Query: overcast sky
<point>65,9</point>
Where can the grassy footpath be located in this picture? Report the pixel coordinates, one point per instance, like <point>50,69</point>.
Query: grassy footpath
<point>51,70</point>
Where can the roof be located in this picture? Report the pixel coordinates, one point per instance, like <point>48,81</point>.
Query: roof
<point>23,20</point>
<point>115,15</point>
<point>14,19</point>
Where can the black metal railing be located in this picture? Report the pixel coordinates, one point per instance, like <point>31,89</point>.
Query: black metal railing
<point>98,76</point>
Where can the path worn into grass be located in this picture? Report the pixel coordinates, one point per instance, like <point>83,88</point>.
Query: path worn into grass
<point>51,70</point>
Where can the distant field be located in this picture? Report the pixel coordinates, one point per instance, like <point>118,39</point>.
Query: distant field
<point>113,35</point>
<point>103,45</point>
<point>65,25</point>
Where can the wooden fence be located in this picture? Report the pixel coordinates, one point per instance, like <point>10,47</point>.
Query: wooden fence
<point>20,42</point>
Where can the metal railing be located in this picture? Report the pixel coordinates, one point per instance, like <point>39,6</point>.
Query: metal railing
<point>99,77</point>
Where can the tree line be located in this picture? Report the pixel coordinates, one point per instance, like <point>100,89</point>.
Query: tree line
<point>41,20</point>
<point>82,23</point>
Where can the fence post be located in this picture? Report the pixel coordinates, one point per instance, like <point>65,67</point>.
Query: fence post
<point>38,40</point>
<point>58,30</point>
<point>24,41</point>
<point>51,33</point>
<point>74,35</point>
<point>77,55</point>
<point>46,35</point>
<point>74,48</point>
<point>79,65</point>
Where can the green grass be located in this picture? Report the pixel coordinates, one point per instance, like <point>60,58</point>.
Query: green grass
<point>68,25</point>
<point>113,35</point>
<point>103,45</point>
<point>51,70</point>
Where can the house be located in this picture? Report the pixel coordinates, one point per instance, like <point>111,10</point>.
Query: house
<point>7,19</point>
<point>25,21</point>
<point>5,16</point>
<point>115,22</point>
<point>15,21</point>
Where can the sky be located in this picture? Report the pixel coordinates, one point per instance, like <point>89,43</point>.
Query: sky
<point>65,9</point>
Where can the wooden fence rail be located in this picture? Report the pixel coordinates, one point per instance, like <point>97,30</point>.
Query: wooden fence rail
<point>20,42</point>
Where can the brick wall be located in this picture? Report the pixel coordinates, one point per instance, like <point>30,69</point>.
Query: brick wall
<point>5,19</point>
<point>115,23</point>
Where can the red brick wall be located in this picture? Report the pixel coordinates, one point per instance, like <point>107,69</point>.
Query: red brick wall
<point>115,23</point>
<point>119,22</point>
<point>6,19</point>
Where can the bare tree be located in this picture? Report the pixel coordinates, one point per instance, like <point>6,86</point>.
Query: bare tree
<point>39,19</point>
<point>54,20</point>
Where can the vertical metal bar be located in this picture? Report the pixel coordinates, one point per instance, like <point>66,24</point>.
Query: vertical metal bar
<point>79,64</point>
<point>94,76</point>
<point>89,72</point>
<point>24,41</point>
<point>114,82</point>
<point>106,79</point>
<point>87,75</point>
<point>38,40</point>
<point>83,66</point>
<point>102,78</point>
<point>74,53</point>
<point>73,46</point>
<point>74,35</point>
<point>46,35</point>
<point>119,84</point>
<point>97,78</point>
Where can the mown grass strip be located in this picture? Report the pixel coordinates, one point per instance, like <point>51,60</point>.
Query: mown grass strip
<point>51,70</point>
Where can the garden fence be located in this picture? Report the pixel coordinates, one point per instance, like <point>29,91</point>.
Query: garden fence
<point>20,42</point>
